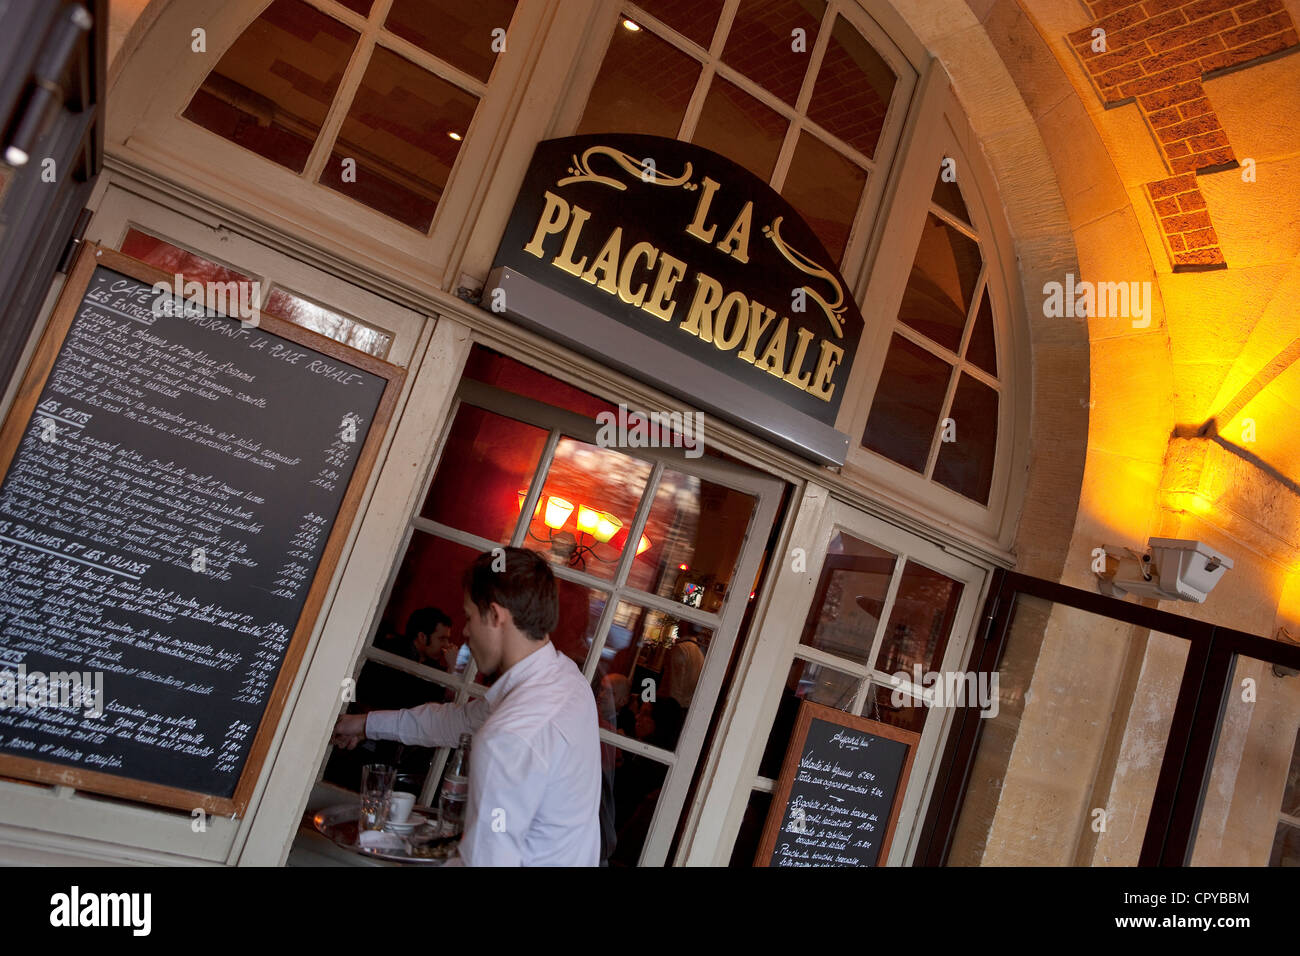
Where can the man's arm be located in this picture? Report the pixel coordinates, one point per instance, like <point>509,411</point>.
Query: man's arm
<point>506,782</point>
<point>429,725</point>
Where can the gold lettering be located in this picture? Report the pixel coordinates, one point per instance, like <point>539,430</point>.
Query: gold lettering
<point>565,259</point>
<point>739,305</point>
<point>696,228</point>
<point>736,242</point>
<point>607,262</point>
<point>708,296</point>
<point>756,330</point>
<point>826,364</point>
<point>670,271</point>
<point>554,216</point>
<point>774,354</point>
<point>625,292</point>
<point>796,363</point>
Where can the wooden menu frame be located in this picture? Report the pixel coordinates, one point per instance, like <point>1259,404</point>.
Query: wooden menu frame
<point>808,711</point>
<point>18,420</point>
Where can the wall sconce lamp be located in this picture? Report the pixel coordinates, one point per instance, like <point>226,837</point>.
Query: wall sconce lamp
<point>600,526</point>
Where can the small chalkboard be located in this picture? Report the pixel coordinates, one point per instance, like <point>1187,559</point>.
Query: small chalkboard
<point>178,484</point>
<point>837,800</point>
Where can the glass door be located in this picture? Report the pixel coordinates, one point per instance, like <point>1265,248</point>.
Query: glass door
<point>655,553</point>
<point>863,617</point>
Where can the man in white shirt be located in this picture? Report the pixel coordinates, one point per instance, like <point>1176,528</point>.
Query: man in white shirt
<point>534,778</point>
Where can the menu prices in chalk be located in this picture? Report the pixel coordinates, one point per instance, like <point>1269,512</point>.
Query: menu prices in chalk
<point>161,523</point>
<point>841,797</point>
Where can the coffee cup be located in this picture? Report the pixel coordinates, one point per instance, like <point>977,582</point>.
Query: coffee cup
<point>399,807</point>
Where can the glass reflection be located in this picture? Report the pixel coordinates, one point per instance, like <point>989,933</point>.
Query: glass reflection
<point>486,460</point>
<point>460,33</point>
<point>693,19</point>
<point>942,284</point>
<point>919,622</point>
<point>741,128</point>
<point>853,89</point>
<point>270,91</point>
<point>319,319</point>
<point>648,673</point>
<point>906,407</point>
<point>763,44</point>
<point>825,188</point>
<point>400,139</point>
<point>643,86</point>
<point>696,529</point>
<point>586,507</point>
<point>806,681</point>
<point>849,601</point>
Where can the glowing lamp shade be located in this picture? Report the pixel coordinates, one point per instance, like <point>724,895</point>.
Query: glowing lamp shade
<point>607,526</point>
<point>588,519</point>
<point>521,494</point>
<point>557,512</point>
<point>643,546</point>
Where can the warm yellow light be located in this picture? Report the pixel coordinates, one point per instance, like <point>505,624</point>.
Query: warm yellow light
<point>629,25</point>
<point>588,519</point>
<point>643,546</point>
<point>456,136</point>
<point>607,526</point>
<point>557,512</point>
<point>521,495</point>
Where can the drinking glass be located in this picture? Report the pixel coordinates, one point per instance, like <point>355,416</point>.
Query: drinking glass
<point>376,788</point>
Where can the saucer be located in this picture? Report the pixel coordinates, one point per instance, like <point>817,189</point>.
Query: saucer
<point>415,820</point>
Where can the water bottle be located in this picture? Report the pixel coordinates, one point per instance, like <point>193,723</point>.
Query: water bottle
<point>454,793</point>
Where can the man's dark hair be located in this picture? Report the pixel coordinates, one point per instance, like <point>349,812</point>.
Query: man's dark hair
<point>425,621</point>
<point>525,587</point>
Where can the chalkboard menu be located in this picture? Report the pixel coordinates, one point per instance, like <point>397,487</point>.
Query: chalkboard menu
<point>837,800</point>
<point>177,487</point>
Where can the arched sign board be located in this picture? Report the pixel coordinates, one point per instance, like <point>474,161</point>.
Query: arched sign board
<point>178,485</point>
<point>683,269</point>
<point>841,787</point>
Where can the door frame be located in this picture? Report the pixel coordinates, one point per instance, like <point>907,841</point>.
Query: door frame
<point>767,491</point>
<point>1193,733</point>
<point>732,771</point>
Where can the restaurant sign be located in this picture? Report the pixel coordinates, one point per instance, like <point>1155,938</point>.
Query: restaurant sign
<point>682,268</point>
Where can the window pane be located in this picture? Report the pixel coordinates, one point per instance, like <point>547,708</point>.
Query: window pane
<point>1286,846</point>
<point>849,602</point>
<point>309,315</point>
<point>806,680</point>
<point>427,637</point>
<point>693,19</point>
<point>966,465</point>
<point>853,89</point>
<point>908,715</point>
<point>695,532</point>
<point>948,194</point>
<point>587,506</point>
<point>919,622</point>
<point>825,188</point>
<point>635,783</point>
<point>403,131</point>
<point>271,90</point>
<point>487,461</point>
<point>429,578</point>
<point>942,283</point>
<point>905,410</point>
<point>762,43</point>
<point>384,688</point>
<point>580,610</point>
<point>648,649</point>
<point>643,87</point>
<point>178,261</point>
<point>745,848</point>
<point>982,350</point>
<point>453,30</point>
<point>357,6</point>
<point>741,128</point>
